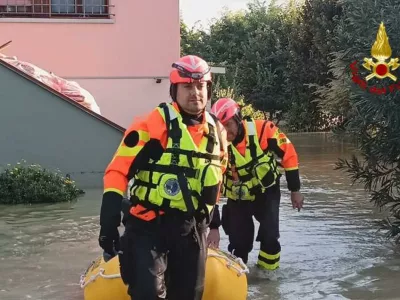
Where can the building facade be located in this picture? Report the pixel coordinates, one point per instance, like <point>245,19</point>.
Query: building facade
<point>120,51</point>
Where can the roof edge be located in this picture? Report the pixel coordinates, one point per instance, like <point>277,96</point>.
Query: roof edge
<point>62,96</point>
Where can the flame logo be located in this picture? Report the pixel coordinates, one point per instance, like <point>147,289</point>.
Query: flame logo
<point>381,51</point>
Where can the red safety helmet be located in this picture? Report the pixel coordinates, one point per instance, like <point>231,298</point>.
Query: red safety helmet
<point>188,69</point>
<point>225,109</point>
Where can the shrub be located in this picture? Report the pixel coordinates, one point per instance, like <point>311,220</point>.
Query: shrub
<point>29,184</point>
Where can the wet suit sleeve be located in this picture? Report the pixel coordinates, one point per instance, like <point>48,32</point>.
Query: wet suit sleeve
<point>274,140</point>
<point>216,218</point>
<point>139,143</point>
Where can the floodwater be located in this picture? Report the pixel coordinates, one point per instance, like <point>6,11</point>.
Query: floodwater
<point>330,250</point>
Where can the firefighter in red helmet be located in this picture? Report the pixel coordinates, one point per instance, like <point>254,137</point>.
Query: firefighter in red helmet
<point>252,184</point>
<point>176,157</point>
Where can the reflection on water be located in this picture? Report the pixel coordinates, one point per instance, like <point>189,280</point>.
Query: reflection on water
<point>330,249</point>
<point>45,248</point>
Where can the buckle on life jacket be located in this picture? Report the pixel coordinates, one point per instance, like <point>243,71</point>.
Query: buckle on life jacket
<point>145,214</point>
<point>241,191</point>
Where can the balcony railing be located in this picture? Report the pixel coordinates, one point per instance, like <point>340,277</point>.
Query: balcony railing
<point>55,8</point>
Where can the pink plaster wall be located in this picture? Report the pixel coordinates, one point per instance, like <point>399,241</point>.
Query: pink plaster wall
<point>126,99</point>
<point>144,40</point>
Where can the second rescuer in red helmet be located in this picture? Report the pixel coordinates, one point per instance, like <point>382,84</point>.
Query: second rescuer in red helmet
<point>251,183</point>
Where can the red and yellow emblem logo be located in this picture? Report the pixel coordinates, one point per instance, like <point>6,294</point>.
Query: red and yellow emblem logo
<point>378,66</point>
<point>381,51</point>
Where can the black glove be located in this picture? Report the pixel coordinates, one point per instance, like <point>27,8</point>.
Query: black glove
<point>109,242</point>
<point>110,219</point>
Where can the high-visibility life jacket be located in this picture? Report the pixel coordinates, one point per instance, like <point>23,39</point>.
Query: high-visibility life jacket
<point>177,179</point>
<point>252,173</point>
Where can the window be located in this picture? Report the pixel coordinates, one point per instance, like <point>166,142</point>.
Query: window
<point>62,6</point>
<point>55,8</point>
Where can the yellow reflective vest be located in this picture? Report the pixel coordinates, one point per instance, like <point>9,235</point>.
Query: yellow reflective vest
<point>176,180</point>
<point>252,173</point>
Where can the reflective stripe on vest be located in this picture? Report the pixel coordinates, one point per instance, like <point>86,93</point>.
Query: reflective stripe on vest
<point>177,179</point>
<point>246,175</point>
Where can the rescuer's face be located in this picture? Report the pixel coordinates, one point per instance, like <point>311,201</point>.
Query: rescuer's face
<point>192,97</point>
<point>232,129</point>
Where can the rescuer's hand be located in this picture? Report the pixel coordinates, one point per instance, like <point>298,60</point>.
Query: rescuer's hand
<point>213,238</point>
<point>297,200</point>
<point>109,242</point>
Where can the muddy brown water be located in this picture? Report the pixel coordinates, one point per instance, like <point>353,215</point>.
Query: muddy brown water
<point>330,250</point>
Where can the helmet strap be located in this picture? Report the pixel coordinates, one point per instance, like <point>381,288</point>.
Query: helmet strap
<point>240,135</point>
<point>172,91</point>
<point>238,117</point>
<point>209,90</point>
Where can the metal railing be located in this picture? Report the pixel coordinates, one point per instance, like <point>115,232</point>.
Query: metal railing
<point>56,8</point>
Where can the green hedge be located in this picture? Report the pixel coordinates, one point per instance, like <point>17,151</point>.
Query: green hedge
<point>29,184</point>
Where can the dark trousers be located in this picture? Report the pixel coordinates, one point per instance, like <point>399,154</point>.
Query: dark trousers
<point>164,259</point>
<point>237,221</point>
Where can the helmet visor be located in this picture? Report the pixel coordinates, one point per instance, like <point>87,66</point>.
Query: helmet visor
<point>184,73</point>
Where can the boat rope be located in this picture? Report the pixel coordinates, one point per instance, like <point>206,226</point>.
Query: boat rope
<point>92,278</point>
<point>231,260</point>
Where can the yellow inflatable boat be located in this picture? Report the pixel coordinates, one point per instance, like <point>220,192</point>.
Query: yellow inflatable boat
<point>225,279</point>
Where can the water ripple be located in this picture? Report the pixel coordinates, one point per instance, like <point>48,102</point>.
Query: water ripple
<point>330,250</point>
